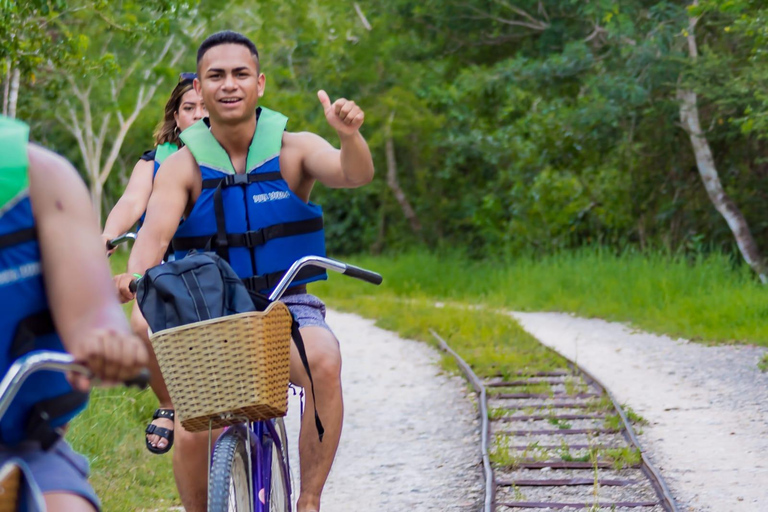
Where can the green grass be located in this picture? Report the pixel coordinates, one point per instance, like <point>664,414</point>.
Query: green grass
<point>110,433</point>
<point>492,343</point>
<point>707,300</point>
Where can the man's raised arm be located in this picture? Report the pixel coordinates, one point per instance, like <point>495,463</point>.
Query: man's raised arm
<point>352,165</point>
<point>167,203</point>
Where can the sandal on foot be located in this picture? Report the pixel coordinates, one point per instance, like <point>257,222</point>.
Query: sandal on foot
<point>165,433</point>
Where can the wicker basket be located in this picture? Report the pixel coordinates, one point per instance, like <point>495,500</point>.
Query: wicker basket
<point>10,483</point>
<point>228,367</point>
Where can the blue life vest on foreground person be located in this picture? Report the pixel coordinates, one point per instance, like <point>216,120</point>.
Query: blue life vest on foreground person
<point>46,400</point>
<point>252,220</point>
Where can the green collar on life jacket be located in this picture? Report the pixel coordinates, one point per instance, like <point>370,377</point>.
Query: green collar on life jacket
<point>14,136</point>
<point>165,150</point>
<point>265,145</point>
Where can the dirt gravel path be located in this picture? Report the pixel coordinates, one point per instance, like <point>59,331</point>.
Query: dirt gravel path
<point>707,406</point>
<point>410,439</point>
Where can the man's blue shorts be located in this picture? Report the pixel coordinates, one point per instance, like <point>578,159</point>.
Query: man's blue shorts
<point>59,469</point>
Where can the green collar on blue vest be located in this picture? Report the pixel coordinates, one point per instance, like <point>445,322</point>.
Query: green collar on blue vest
<point>14,136</point>
<point>165,150</point>
<point>265,145</point>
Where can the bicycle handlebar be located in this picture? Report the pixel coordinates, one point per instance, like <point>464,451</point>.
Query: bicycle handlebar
<point>326,263</point>
<point>315,261</point>
<point>46,360</point>
<point>363,274</point>
<point>111,244</point>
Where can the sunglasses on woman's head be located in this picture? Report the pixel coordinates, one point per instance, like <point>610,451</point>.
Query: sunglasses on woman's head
<point>187,76</point>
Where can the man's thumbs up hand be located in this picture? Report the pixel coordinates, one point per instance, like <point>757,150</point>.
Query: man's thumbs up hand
<point>343,115</point>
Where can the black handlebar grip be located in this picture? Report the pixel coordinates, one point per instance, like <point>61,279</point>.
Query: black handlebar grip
<point>365,275</point>
<point>140,381</point>
<point>133,285</point>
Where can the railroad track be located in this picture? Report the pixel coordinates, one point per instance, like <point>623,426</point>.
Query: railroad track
<point>558,440</point>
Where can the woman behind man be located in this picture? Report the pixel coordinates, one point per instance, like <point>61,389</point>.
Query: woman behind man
<point>183,109</point>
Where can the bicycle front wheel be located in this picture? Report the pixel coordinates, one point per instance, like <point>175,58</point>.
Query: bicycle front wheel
<point>228,489</point>
<point>279,487</point>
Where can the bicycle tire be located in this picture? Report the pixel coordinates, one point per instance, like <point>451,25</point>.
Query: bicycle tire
<point>279,491</point>
<point>228,489</point>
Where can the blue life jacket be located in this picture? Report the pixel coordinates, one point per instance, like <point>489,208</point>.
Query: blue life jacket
<point>46,401</point>
<point>157,156</point>
<point>252,220</point>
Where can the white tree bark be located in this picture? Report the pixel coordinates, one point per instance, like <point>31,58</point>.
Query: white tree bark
<point>689,116</point>
<point>6,87</point>
<point>394,184</point>
<point>81,123</point>
<point>13,94</point>
<point>362,17</point>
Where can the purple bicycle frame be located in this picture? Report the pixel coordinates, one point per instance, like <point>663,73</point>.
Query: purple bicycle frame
<point>263,434</point>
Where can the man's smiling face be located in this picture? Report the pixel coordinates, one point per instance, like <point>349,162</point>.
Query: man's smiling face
<point>230,83</point>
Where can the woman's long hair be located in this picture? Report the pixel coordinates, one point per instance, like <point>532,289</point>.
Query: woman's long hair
<point>167,131</point>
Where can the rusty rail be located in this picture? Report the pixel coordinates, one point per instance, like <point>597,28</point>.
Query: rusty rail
<point>479,387</point>
<point>666,501</point>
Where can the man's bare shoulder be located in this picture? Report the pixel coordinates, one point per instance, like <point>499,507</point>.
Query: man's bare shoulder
<point>52,175</point>
<point>180,160</point>
<point>296,147</point>
<point>297,141</point>
<point>181,166</point>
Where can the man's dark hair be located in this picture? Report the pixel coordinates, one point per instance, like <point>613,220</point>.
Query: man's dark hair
<point>227,37</point>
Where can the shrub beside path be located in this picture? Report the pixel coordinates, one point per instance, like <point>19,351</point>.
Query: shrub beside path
<point>707,406</point>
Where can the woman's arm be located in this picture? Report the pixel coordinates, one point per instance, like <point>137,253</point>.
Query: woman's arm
<point>133,203</point>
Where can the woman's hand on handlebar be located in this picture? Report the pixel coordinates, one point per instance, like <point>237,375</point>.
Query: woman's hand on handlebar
<point>109,247</point>
<point>123,284</point>
<point>112,356</point>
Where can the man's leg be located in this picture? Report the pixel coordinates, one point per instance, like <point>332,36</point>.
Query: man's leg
<point>66,502</point>
<point>190,467</point>
<point>61,475</point>
<point>316,458</point>
<point>156,382</point>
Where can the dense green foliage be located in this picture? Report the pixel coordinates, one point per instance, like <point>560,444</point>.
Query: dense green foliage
<point>517,125</point>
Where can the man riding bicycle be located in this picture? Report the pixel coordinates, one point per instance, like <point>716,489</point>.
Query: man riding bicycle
<point>56,294</point>
<point>242,185</point>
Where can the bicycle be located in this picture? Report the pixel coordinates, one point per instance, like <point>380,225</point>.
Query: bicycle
<point>248,466</point>
<point>19,492</point>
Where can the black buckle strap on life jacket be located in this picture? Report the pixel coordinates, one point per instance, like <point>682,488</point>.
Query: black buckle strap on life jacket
<point>242,179</point>
<point>18,237</point>
<point>39,428</point>
<point>28,330</point>
<point>221,244</point>
<point>255,238</point>
<point>269,281</point>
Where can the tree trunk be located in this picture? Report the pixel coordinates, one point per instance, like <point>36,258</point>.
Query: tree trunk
<point>689,115</point>
<point>13,95</point>
<point>97,190</point>
<point>394,185</point>
<point>6,87</point>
